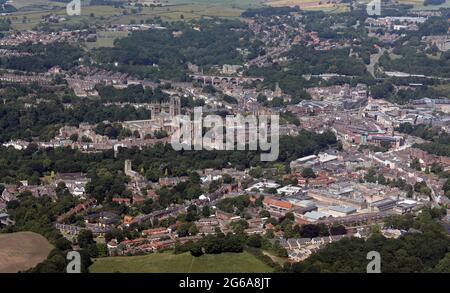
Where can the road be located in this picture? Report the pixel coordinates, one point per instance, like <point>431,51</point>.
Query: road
<point>374,60</point>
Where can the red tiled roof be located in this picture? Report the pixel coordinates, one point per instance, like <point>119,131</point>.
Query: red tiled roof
<point>121,200</point>
<point>278,203</point>
<point>155,231</point>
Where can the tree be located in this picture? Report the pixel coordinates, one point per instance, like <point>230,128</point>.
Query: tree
<point>196,249</point>
<point>264,214</point>
<point>102,250</point>
<point>415,164</point>
<point>85,238</point>
<point>194,178</point>
<point>206,212</point>
<point>256,172</point>
<point>444,264</point>
<point>212,244</point>
<point>232,243</point>
<point>12,205</point>
<point>338,230</point>
<point>254,240</point>
<point>308,173</point>
<point>227,179</point>
<point>86,139</point>
<point>310,231</point>
<point>193,230</point>
<point>74,137</point>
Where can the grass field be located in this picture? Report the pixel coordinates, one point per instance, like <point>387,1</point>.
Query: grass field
<point>21,251</point>
<point>106,39</point>
<point>181,263</point>
<point>175,10</point>
<point>418,4</point>
<point>27,4</point>
<point>172,10</point>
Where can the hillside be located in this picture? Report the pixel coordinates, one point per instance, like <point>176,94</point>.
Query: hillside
<point>181,263</point>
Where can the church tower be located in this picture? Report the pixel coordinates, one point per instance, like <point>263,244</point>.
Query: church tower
<point>175,106</point>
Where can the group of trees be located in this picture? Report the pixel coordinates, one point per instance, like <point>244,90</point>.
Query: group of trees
<point>131,94</point>
<point>305,60</point>
<point>115,131</point>
<point>423,131</point>
<point>18,165</point>
<point>372,177</point>
<point>5,25</point>
<point>154,162</point>
<point>43,57</point>
<point>37,215</point>
<point>163,54</point>
<point>415,61</point>
<point>85,239</point>
<point>107,184</point>
<point>388,91</point>
<point>438,141</point>
<point>161,160</point>
<point>187,190</point>
<point>425,250</point>
<point>213,244</point>
<point>18,121</point>
<point>436,148</point>
<point>234,204</point>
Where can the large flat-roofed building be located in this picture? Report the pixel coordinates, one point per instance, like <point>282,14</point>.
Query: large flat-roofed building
<point>262,186</point>
<point>405,206</point>
<point>315,216</point>
<point>340,210</point>
<point>289,190</point>
<point>344,196</point>
<point>383,205</point>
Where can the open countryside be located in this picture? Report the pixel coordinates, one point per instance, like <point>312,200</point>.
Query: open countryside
<point>181,263</point>
<point>21,251</point>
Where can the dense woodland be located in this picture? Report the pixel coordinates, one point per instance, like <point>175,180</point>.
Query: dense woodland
<point>157,161</point>
<point>43,57</point>
<point>387,90</point>
<point>131,94</point>
<point>306,60</point>
<point>18,121</point>
<point>163,54</point>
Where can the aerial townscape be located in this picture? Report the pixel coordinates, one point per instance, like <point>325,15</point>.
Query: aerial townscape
<point>90,103</point>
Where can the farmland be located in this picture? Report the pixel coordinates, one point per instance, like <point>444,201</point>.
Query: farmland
<point>21,251</point>
<point>30,13</point>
